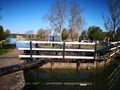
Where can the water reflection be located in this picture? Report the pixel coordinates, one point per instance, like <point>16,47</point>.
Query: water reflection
<point>18,44</point>
<point>38,79</point>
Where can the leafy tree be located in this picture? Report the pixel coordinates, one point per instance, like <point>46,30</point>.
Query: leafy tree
<point>1,33</point>
<point>64,34</point>
<point>83,34</point>
<point>95,33</point>
<point>7,33</point>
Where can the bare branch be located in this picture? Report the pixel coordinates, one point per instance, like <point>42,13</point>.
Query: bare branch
<point>57,14</point>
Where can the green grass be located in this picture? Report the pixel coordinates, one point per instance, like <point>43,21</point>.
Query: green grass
<point>47,46</point>
<point>6,48</point>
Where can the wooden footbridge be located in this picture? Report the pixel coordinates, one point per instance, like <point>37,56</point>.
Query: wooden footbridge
<point>65,51</point>
<point>69,50</point>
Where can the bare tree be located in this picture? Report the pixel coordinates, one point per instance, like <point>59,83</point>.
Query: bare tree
<point>112,22</point>
<point>57,14</point>
<point>29,34</point>
<point>43,34</point>
<point>76,22</point>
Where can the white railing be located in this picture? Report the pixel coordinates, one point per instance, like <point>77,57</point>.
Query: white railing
<point>112,50</point>
<point>63,50</point>
<point>115,48</point>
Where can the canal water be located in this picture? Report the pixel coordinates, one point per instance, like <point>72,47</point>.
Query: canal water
<point>18,44</point>
<point>107,78</point>
<point>99,79</point>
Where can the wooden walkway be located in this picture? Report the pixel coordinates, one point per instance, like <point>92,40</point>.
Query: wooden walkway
<point>44,58</point>
<point>68,53</point>
<point>22,66</point>
<point>64,51</point>
<point>14,81</point>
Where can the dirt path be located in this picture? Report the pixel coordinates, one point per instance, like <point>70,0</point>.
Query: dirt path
<point>13,81</point>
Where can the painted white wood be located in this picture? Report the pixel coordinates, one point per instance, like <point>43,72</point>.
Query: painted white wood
<point>79,57</point>
<point>39,56</point>
<point>118,46</point>
<point>24,56</point>
<point>82,50</point>
<point>49,42</point>
<point>114,42</point>
<point>81,43</point>
<point>49,56</point>
<point>117,51</point>
<point>53,49</point>
<point>41,49</point>
<point>113,48</point>
<point>112,54</point>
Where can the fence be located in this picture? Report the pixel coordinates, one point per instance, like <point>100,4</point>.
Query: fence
<point>111,51</point>
<point>63,50</point>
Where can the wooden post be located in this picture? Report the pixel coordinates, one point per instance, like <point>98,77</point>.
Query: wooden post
<point>63,50</point>
<point>95,50</point>
<point>78,65</point>
<point>52,65</point>
<point>53,39</point>
<point>109,50</point>
<point>0,44</point>
<point>31,50</point>
<point>37,52</point>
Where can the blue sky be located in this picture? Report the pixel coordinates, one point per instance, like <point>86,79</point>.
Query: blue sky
<point>20,16</point>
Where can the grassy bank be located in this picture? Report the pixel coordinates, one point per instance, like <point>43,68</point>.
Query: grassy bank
<point>6,48</point>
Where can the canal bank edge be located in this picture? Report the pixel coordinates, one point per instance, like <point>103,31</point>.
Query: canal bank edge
<point>77,65</point>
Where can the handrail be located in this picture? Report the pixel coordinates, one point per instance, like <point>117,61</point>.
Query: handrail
<point>112,50</point>
<point>51,42</point>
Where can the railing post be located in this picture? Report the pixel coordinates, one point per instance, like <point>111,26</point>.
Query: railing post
<point>36,46</point>
<point>63,50</point>
<point>31,50</point>
<point>0,44</point>
<point>95,50</point>
<point>109,51</point>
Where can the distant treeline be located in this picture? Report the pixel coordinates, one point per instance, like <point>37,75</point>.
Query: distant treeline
<point>4,33</point>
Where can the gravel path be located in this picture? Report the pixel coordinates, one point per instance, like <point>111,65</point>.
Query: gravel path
<point>13,81</point>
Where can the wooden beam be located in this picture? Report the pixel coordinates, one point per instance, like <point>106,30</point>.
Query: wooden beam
<point>55,49</point>
<point>50,56</point>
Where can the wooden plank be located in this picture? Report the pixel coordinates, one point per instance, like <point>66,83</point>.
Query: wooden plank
<point>113,48</point>
<point>118,46</point>
<point>41,49</point>
<point>41,42</point>
<point>82,50</point>
<point>39,56</point>
<point>114,42</point>
<point>49,56</point>
<point>112,54</point>
<point>79,57</point>
<point>49,42</point>
<point>53,49</point>
<point>82,43</point>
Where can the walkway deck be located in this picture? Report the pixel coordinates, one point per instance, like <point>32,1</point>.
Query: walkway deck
<point>14,81</point>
